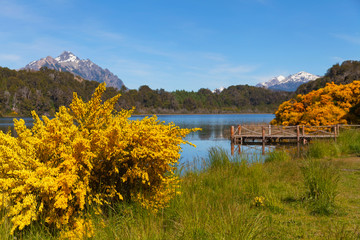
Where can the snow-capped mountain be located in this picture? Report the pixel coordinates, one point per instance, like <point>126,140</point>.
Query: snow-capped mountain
<point>86,69</point>
<point>272,82</point>
<point>290,83</point>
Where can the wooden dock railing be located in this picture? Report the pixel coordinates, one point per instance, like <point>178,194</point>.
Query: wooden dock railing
<point>271,133</point>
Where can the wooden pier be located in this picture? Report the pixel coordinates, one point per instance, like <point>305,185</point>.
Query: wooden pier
<point>245,134</point>
<point>271,134</point>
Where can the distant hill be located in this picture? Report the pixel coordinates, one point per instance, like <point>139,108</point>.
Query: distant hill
<point>86,69</point>
<point>290,83</point>
<point>345,73</point>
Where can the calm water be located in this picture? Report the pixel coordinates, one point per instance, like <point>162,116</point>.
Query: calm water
<point>215,130</point>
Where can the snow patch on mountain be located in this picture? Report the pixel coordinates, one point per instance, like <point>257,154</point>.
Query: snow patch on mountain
<point>290,83</point>
<point>67,56</point>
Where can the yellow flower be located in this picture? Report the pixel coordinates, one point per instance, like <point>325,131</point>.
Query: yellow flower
<point>258,202</point>
<point>87,155</point>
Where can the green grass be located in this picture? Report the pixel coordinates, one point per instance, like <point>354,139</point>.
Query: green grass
<point>313,197</point>
<point>321,179</point>
<point>277,156</point>
<point>349,142</point>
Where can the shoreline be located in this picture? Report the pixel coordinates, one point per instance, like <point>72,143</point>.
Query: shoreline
<point>158,114</point>
<point>177,114</point>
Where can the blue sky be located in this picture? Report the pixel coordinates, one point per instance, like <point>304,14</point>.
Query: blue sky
<point>187,44</point>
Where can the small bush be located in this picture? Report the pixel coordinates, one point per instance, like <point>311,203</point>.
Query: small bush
<point>321,179</point>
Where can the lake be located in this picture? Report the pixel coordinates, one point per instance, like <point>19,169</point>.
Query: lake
<point>215,131</point>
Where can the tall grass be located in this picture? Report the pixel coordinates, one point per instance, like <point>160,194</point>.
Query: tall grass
<point>349,142</point>
<point>218,157</point>
<point>220,195</point>
<point>322,149</point>
<point>321,179</point>
<point>277,156</point>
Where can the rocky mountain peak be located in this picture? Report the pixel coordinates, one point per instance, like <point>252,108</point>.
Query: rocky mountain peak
<point>67,61</point>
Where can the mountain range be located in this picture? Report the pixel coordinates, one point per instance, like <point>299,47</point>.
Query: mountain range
<point>86,69</point>
<point>290,83</point>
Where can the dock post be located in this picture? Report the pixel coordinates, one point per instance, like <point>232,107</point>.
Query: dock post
<point>232,148</point>
<point>269,129</point>
<point>298,133</point>
<point>263,140</point>
<point>263,133</point>
<point>303,134</point>
<point>263,148</point>
<point>232,134</point>
<point>239,132</point>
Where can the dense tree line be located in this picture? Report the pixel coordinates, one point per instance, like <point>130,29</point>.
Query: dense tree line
<point>345,73</point>
<point>235,99</point>
<point>45,90</point>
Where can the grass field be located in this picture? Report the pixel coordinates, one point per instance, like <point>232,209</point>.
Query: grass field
<point>314,196</point>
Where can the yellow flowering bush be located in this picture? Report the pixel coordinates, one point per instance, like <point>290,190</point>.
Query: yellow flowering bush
<point>87,155</point>
<point>333,104</point>
<point>258,202</point>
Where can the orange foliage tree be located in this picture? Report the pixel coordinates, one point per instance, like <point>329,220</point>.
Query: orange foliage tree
<point>333,104</point>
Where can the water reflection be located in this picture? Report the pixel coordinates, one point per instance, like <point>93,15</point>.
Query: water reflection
<point>292,148</point>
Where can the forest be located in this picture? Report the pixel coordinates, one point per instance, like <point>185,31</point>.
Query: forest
<point>46,90</point>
